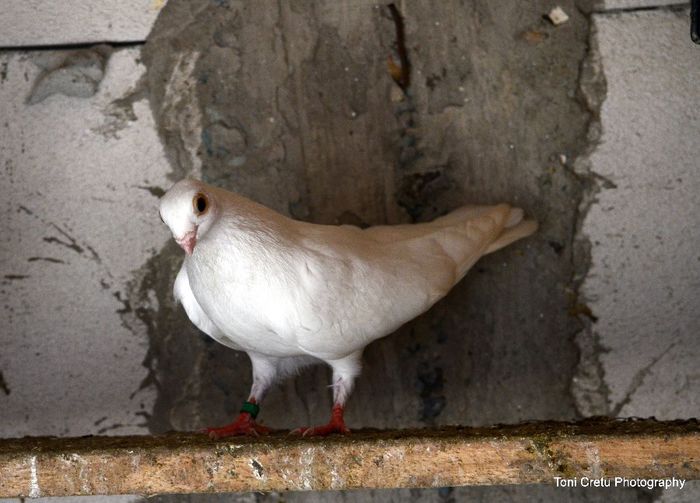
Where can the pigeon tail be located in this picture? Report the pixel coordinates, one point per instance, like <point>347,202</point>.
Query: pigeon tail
<point>467,239</point>
<point>450,245</point>
<point>512,233</point>
<point>501,224</point>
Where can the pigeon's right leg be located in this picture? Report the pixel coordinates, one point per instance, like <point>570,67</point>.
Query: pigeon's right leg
<point>345,371</point>
<point>264,373</point>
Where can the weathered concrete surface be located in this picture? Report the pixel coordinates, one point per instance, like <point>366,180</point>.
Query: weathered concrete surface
<point>79,217</point>
<point>645,266</point>
<point>40,22</point>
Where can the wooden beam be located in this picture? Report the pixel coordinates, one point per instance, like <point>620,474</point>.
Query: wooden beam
<point>190,463</point>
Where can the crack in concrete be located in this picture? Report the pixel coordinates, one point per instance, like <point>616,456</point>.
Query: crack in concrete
<point>621,10</point>
<point>3,384</point>
<point>70,47</point>
<point>46,259</point>
<point>13,277</point>
<point>418,184</point>
<point>71,244</point>
<point>401,74</point>
<point>638,380</point>
<point>588,386</point>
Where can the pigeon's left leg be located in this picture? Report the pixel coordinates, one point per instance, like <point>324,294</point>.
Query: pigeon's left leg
<point>264,373</point>
<point>345,371</point>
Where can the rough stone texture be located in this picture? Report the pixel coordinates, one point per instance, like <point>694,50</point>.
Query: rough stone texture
<point>292,105</point>
<point>455,456</point>
<point>78,219</point>
<point>645,266</point>
<point>42,22</point>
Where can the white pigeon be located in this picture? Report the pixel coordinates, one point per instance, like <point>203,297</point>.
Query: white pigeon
<point>291,293</point>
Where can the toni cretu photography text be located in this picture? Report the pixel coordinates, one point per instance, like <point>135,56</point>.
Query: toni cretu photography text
<point>619,482</point>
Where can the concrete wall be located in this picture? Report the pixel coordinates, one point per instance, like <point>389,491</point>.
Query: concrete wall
<point>643,222</point>
<point>79,174</point>
<point>79,206</point>
<point>84,163</point>
<point>50,23</point>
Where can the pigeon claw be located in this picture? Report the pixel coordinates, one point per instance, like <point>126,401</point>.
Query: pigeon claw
<point>335,425</point>
<point>322,431</point>
<point>243,426</point>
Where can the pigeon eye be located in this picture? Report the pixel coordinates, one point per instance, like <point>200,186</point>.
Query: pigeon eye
<point>201,204</point>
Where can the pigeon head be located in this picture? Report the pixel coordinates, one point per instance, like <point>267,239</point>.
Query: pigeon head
<point>189,210</point>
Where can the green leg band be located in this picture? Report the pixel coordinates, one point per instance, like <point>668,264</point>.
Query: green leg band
<point>251,408</point>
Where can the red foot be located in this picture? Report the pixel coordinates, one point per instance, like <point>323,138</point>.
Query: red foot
<point>244,425</point>
<point>335,425</point>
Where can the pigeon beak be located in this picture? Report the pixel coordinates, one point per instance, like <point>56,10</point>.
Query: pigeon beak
<point>188,241</point>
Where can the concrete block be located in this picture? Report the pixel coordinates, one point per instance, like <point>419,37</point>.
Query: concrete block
<point>645,275</point>
<point>78,186</point>
<point>42,22</point>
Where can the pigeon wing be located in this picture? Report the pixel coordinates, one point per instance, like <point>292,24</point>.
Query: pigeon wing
<point>357,286</point>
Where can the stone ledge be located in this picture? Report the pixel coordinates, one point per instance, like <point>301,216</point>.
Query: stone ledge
<point>454,456</point>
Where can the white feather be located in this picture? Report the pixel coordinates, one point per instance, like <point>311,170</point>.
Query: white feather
<point>183,294</point>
